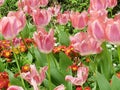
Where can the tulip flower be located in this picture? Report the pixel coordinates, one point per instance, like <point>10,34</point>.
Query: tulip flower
<point>79,20</point>
<point>1,2</point>
<point>12,24</point>
<point>98,4</point>
<point>41,18</point>
<point>60,87</point>
<point>97,30</point>
<point>20,16</point>
<point>85,44</point>
<point>44,40</point>
<point>112,31</point>
<point>43,3</point>
<point>54,10</point>
<point>117,17</point>
<point>34,77</point>
<point>63,18</point>
<point>13,87</point>
<point>111,3</point>
<point>81,77</point>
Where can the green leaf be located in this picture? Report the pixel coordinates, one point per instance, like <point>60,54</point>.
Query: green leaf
<point>64,38</point>
<point>102,82</point>
<point>105,62</point>
<point>13,80</point>
<point>65,62</point>
<point>2,66</point>
<point>115,83</point>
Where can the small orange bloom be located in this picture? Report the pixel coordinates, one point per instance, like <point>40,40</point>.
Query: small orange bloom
<point>6,53</point>
<point>87,88</point>
<point>25,68</point>
<point>118,75</point>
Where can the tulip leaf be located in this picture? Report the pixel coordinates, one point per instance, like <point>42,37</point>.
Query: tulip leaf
<point>102,82</point>
<point>105,62</point>
<point>115,83</point>
<point>65,62</point>
<point>13,80</point>
<point>64,38</point>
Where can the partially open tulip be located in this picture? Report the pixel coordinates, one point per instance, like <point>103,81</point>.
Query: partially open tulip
<point>43,3</point>
<point>34,77</point>
<point>84,44</point>
<point>111,3</point>
<point>79,20</point>
<point>80,79</point>
<point>97,30</point>
<point>13,87</point>
<point>54,10</point>
<point>113,31</point>
<point>41,18</point>
<point>1,2</point>
<point>63,18</point>
<point>98,4</point>
<point>44,40</point>
<point>12,24</point>
<point>20,16</point>
<point>60,87</point>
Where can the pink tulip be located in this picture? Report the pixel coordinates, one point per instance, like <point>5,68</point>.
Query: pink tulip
<point>15,88</point>
<point>28,5</point>
<point>117,17</point>
<point>113,31</point>
<point>98,4</point>
<point>54,10</point>
<point>100,14</point>
<point>111,3</point>
<point>63,18</point>
<point>1,2</point>
<point>10,27</point>
<point>44,40</point>
<point>97,30</point>
<point>12,24</point>
<point>43,3</point>
<point>79,21</point>
<point>85,44</point>
<point>82,75</point>
<point>33,77</point>
<point>60,87</point>
<point>41,18</point>
<point>20,16</point>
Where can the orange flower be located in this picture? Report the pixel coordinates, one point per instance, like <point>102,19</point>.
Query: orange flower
<point>87,88</point>
<point>4,80</point>
<point>118,75</point>
<point>6,53</point>
<point>25,68</point>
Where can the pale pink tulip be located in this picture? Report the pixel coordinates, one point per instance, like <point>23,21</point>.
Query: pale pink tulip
<point>82,75</point>
<point>97,30</point>
<point>98,4</point>
<point>28,5</point>
<point>43,3</point>
<point>63,18</point>
<point>60,87</point>
<point>54,10</point>
<point>99,14</point>
<point>1,2</point>
<point>113,31</point>
<point>79,20</point>
<point>117,17</point>
<point>13,87</point>
<point>41,18</point>
<point>111,3</point>
<point>85,45</point>
<point>10,27</point>
<point>44,40</point>
<point>34,77</point>
<point>20,16</point>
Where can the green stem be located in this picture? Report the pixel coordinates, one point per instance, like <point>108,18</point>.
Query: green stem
<point>26,45</point>
<point>22,81</point>
<point>49,77</point>
<point>118,51</point>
